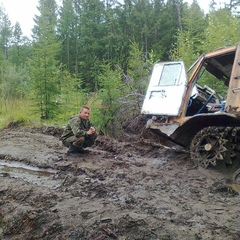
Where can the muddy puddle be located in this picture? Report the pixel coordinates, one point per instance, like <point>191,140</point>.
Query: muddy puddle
<point>120,190</point>
<point>30,174</point>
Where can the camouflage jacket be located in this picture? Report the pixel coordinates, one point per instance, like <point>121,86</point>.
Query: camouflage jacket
<point>76,127</point>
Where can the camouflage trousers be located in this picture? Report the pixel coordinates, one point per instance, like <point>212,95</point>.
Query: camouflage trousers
<point>81,142</point>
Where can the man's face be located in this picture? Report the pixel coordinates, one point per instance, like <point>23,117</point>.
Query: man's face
<point>85,113</point>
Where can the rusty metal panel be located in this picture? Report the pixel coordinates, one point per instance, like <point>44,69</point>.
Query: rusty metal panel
<point>233,96</point>
<point>220,51</point>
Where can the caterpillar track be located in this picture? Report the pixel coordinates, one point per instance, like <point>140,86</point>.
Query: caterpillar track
<point>213,144</point>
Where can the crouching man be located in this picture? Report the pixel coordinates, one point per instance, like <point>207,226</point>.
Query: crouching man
<point>79,132</point>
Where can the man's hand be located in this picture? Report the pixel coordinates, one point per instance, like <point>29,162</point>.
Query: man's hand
<point>91,131</point>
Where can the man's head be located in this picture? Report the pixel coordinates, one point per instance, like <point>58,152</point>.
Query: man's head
<point>84,112</point>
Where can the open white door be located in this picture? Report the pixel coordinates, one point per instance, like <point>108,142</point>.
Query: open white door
<point>166,89</point>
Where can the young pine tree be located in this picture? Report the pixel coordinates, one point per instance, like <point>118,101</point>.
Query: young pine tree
<point>45,68</point>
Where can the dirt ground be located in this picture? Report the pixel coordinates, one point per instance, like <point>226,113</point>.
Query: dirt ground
<point>125,190</point>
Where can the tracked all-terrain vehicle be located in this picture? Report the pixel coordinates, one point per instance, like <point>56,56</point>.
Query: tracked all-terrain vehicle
<point>189,113</point>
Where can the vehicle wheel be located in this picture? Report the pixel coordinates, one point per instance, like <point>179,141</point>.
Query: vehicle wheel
<point>208,146</point>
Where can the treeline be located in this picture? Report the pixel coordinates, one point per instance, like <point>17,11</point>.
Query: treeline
<point>100,52</point>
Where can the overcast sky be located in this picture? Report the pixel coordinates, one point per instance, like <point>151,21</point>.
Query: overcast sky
<point>23,11</point>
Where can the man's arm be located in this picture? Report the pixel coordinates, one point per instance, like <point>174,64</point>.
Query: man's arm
<point>76,127</point>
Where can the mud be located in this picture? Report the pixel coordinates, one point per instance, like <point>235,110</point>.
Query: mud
<point>125,190</point>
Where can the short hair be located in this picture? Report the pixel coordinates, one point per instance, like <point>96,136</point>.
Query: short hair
<point>85,107</point>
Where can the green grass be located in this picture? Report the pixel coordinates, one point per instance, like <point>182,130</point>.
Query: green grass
<point>23,113</point>
<point>17,113</point>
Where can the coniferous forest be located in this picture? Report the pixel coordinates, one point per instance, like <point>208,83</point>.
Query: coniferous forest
<point>100,53</point>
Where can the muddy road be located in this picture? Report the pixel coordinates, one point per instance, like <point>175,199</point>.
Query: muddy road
<point>120,190</point>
